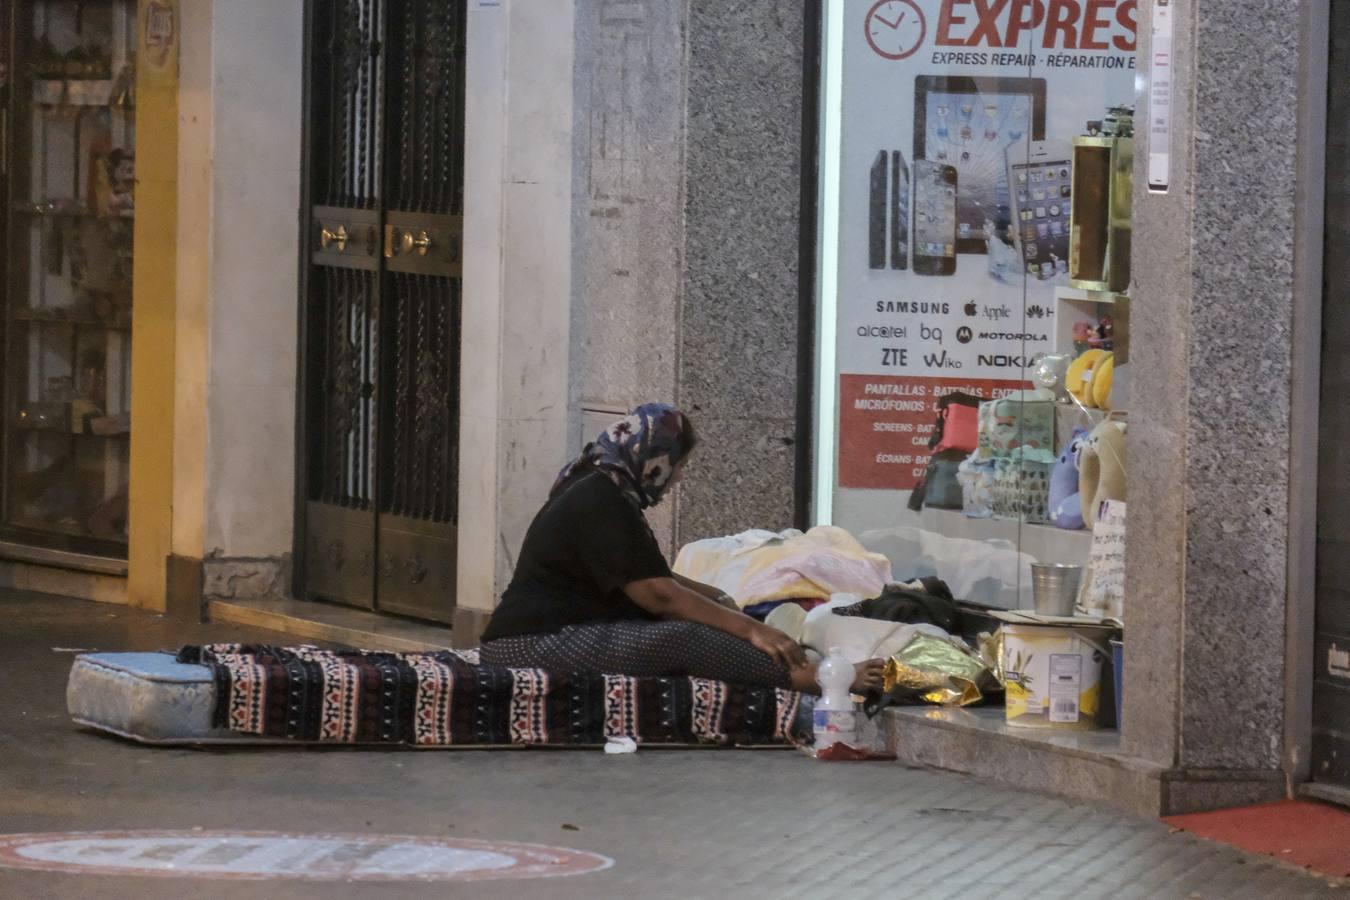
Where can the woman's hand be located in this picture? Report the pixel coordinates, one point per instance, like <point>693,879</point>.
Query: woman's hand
<point>778,645</point>
<point>668,598</point>
<point>726,602</point>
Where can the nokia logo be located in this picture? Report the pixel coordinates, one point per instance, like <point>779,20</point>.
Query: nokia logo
<point>1005,361</point>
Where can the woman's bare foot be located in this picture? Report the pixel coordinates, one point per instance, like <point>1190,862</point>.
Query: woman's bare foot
<point>868,676</point>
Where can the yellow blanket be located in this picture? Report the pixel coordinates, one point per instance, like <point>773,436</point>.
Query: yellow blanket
<point>761,566</point>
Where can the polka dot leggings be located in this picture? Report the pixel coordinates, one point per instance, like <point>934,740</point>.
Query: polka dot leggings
<point>641,649</point>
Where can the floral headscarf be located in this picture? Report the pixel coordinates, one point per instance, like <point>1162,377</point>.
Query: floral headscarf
<point>639,453</point>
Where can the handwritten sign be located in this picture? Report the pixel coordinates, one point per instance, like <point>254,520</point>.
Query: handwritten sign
<point>1106,586</point>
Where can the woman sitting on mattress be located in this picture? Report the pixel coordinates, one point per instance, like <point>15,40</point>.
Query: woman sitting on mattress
<point>593,593</point>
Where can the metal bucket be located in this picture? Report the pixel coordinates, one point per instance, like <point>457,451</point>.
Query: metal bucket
<point>1054,588</point>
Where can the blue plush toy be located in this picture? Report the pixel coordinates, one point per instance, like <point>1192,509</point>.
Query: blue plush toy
<point>1065,509</point>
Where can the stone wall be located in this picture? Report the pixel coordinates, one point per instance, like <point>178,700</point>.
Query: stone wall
<point>1220,303</point>
<point>627,229</point>
<point>685,239</point>
<point>738,341</point>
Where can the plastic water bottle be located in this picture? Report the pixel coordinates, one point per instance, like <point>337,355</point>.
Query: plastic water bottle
<point>835,720</point>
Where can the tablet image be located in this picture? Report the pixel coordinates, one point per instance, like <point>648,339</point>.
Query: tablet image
<point>969,124</point>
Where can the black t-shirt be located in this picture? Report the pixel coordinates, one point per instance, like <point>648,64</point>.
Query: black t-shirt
<point>586,544</point>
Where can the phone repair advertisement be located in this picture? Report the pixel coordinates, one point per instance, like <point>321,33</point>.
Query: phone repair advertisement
<point>954,186</point>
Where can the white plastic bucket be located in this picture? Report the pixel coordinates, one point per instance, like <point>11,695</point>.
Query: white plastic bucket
<point>1053,674</point>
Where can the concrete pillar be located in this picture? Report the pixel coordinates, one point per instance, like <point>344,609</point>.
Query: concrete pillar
<point>688,130</point>
<point>238,243</point>
<point>150,497</point>
<point>738,318</point>
<point>1224,336</point>
<point>517,287</point>
<point>627,205</point>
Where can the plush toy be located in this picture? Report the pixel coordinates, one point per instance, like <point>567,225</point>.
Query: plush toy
<point>1102,376</point>
<point>1089,378</point>
<point>1101,468</point>
<point>1065,506</point>
<point>1080,375</point>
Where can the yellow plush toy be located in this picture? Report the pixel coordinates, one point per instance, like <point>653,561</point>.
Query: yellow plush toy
<point>1081,374</point>
<point>1102,375</point>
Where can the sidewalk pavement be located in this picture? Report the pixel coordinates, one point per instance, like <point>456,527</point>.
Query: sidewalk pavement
<point>675,823</point>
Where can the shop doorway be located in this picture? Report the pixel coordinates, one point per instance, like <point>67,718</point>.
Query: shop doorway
<point>380,304</point>
<point>1331,685</point>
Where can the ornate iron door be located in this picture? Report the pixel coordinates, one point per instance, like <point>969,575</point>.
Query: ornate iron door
<point>1330,755</point>
<point>381,304</point>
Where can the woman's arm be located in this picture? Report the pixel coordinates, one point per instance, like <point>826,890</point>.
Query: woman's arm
<point>669,599</point>
<point>716,595</point>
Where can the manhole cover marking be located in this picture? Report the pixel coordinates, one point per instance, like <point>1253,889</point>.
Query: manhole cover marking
<point>318,857</point>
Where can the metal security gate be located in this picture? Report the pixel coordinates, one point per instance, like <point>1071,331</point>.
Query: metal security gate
<point>1331,651</point>
<point>380,318</point>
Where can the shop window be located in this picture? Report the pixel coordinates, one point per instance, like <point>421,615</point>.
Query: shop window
<point>69,166</point>
<point>974,241</point>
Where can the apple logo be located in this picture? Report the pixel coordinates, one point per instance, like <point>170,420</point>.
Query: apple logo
<point>972,309</point>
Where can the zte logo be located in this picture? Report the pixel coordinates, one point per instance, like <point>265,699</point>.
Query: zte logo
<point>1063,24</point>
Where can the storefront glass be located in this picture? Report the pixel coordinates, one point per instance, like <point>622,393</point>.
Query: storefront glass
<point>974,238</point>
<point>68,146</point>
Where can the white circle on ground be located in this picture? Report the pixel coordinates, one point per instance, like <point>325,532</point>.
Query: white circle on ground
<point>313,857</point>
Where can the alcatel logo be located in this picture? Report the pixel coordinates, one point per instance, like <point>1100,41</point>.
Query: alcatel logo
<point>1063,24</point>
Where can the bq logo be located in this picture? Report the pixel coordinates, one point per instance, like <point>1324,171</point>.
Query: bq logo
<point>1064,24</point>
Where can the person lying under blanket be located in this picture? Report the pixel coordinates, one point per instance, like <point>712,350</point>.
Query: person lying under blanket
<point>592,591</point>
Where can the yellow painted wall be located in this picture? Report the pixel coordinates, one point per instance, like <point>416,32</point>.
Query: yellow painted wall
<point>154,306</point>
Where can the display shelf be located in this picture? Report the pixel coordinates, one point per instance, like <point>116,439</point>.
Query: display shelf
<point>52,317</point>
<point>72,211</point>
<point>25,428</point>
<point>66,527</point>
<point>1078,295</point>
<point>98,93</point>
<point>1073,305</point>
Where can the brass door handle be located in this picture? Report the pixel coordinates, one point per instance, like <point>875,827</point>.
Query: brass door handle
<point>421,243</point>
<point>339,238</point>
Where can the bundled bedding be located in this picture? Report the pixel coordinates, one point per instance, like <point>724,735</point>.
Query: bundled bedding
<point>762,567</point>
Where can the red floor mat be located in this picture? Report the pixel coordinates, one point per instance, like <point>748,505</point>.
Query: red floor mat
<point>1300,832</point>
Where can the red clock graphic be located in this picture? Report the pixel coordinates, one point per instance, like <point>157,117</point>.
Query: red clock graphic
<point>895,29</point>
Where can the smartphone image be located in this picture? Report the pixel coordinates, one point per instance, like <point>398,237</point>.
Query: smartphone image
<point>876,214</point>
<point>899,211</point>
<point>934,218</point>
<point>1040,181</point>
